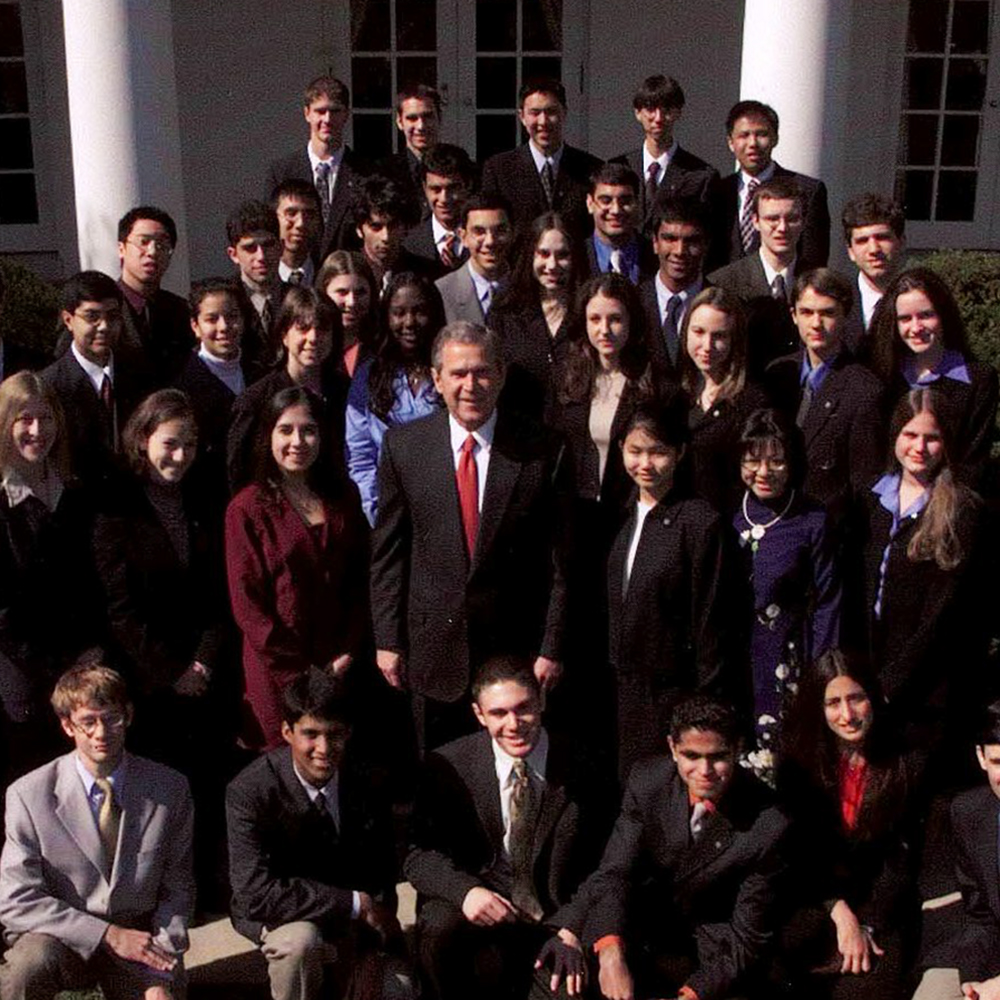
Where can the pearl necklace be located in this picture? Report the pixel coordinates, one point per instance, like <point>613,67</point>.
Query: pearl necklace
<point>756,532</point>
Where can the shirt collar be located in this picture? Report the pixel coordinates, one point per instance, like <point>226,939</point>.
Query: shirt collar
<point>870,298</point>
<point>764,175</point>
<point>536,760</point>
<point>664,160</point>
<point>603,250</point>
<point>94,371</point>
<point>18,490</point>
<point>116,777</point>
<point>333,160</point>
<point>815,375</point>
<point>483,434</point>
<point>440,232</point>
<point>285,272</point>
<point>329,790</point>
<point>664,295</point>
<point>135,299</point>
<point>952,365</point>
<point>770,274</point>
<point>481,282</point>
<point>887,491</point>
<point>223,364</point>
<point>539,157</point>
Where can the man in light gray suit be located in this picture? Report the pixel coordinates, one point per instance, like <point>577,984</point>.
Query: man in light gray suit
<point>487,233</point>
<point>96,883</point>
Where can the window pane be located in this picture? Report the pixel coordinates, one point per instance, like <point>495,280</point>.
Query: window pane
<point>913,192</point>
<point>541,25</point>
<point>13,88</point>
<point>15,144</point>
<point>919,140</point>
<point>956,200</point>
<point>373,135</point>
<point>416,25</point>
<point>495,134</point>
<point>960,143</point>
<point>928,26</point>
<point>496,82</point>
<point>11,39</point>
<point>966,84</point>
<point>970,26</point>
<point>496,25</point>
<point>371,82</point>
<point>416,69</point>
<point>541,66</point>
<point>18,201</point>
<point>923,83</point>
<point>369,25</point>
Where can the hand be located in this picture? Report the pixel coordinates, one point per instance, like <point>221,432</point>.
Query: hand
<point>613,976</point>
<point>548,672</point>
<point>193,683</point>
<point>567,959</point>
<point>486,908</point>
<point>157,993</point>
<point>393,667</point>
<point>377,916</point>
<point>854,943</point>
<point>138,946</point>
<point>339,664</point>
<point>988,989</point>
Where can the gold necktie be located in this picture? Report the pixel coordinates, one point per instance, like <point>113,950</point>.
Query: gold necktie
<point>108,821</point>
<point>523,813</point>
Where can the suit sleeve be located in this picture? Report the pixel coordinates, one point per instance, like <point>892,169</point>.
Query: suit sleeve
<point>980,430</point>
<point>562,543</point>
<point>977,949</point>
<point>866,453</point>
<point>27,900</point>
<point>815,245</point>
<point>175,905</point>
<point>827,584</point>
<point>707,602</point>
<point>391,549</point>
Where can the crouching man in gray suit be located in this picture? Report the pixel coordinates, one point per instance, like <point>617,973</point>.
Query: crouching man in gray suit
<point>96,883</point>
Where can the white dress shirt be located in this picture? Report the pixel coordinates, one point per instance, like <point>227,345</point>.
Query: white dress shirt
<point>870,298</point>
<point>504,763</point>
<point>663,159</point>
<point>788,274</point>
<point>334,161</point>
<point>481,453</point>
<point>641,512</point>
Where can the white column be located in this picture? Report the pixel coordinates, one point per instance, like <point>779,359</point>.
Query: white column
<point>123,123</point>
<point>796,58</point>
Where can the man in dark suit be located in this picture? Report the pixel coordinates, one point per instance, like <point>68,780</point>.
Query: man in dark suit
<point>682,904</point>
<point>467,552</point>
<point>681,230</point>
<point>507,823</point>
<point>874,230</point>
<point>763,280</point>
<point>299,213</point>
<point>418,118</point>
<point>447,176</point>
<point>752,134</point>
<point>326,163</point>
<point>665,170</point>
<point>311,857</point>
<point>835,400</point>
<point>616,243</point>
<point>254,246</point>
<point>97,383</point>
<point>545,174</point>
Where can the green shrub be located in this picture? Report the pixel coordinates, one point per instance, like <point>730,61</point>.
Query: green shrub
<point>30,310</point>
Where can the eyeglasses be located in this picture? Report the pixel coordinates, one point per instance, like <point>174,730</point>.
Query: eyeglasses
<point>774,464</point>
<point>94,316</point>
<point>89,723</point>
<point>144,242</point>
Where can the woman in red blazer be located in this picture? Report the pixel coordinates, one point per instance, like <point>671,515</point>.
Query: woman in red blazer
<point>297,560</point>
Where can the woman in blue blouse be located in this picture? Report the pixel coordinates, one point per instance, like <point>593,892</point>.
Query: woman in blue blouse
<point>394,386</point>
<point>789,559</point>
<point>918,340</point>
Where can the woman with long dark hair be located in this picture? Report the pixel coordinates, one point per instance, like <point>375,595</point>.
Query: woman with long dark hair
<point>918,340</point>
<point>347,280</point>
<point>394,386</point>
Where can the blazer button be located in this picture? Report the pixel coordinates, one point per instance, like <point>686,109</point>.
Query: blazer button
<point>828,403</point>
<point>451,621</point>
<point>666,520</point>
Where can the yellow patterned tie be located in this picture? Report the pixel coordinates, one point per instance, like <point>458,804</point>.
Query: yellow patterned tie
<point>108,821</point>
<point>523,814</point>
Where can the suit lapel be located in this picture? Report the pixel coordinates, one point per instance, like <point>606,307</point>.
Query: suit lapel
<point>616,562</point>
<point>136,811</point>
<point>823,405</point>
<point>554,796</point>
<point>74,812</point>
<point>715,839</point>
<point>486,790</point>
<point>441,470</point>
<point>500,479</point>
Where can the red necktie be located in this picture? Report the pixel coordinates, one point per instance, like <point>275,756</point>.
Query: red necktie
<point>467,480</point>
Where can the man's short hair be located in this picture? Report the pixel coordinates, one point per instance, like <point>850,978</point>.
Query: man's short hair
<point>419,92</point>
<point>380,196</point>
<point>315,692</point>
<point>249,218</point>
<point>708,715</point>
<point>498,669</point>
<point>826,282</point>
<point>755,110</point>
<point>684,211</point>
<point>541,85</point>
<point>447,160</point>
<point>461,331</point>
<point>619,174</point>
<point>659,91</point>
<point>88,286</point>
<point>872,209</point>
<point>326,86</point>
<point>133,215</point>
<point>296,188</point>
<point>779,188</point>
<point>89,682</point>
<point>988,731</point>
<point>486,203</point>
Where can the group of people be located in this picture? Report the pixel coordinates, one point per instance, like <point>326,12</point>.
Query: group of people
<point>476,508</point>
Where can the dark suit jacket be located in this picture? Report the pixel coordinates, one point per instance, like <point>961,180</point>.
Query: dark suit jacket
<point>428,602</point>
<point>285,863</point>
<point>404,169</point>
<point>687,176</point>
<point>770,329</point>
<point>338,226</point>
<point>648,262</point>
<point>513,176</point>
<point>259,349</point>
<point>165,340</point>
<point>456,840</point>
<point>814,243</point>
<point>854,334</point>
<point>713,898</point>
<point>974,840</point>
<point>419,241</point>
<point>89,428</point>
<point>656,345</point>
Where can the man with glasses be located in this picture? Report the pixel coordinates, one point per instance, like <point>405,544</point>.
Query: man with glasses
<point>96,884</point>
<point>155,320</point>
